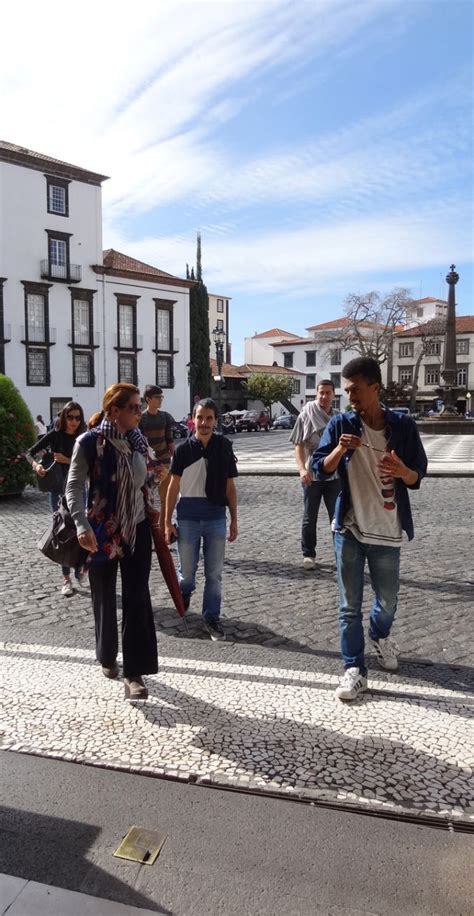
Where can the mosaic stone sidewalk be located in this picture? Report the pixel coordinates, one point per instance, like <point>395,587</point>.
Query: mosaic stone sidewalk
<point>251,717</point>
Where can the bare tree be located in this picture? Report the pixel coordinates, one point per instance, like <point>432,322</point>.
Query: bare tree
<point>426,339</point>
<point>371,322</point>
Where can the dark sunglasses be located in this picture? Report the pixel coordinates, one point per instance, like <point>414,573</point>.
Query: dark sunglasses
<point>134,408</point>
<point>74,416</point>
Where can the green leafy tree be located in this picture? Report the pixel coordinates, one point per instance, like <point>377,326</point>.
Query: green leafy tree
<point>17,434</point>
<point>269,388</point>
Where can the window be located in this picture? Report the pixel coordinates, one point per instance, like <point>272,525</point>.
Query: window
<point>165,346</point>
<point>57,196</point>
<point>56,405</point>
<point>431,375</point>
<point>336,379</point>
<point>37,331</point>
<point>82,369</point>
<point>419,313</point>
<point>310,357</point>
<point>462,346</point>
<point>433,347</point>
<point>58,266</point>
<point>405,349</point>
<point>310,381</point>
<point>163,323</point>
<point>126,325</point>
<point>35,317</point>
<point>82,322</point>
<point>462,376</point>
<point>296,386</point>
<point>127,368</point>
<point>405,375</point>
<point>336,357</point>
<point>288,360</point>
<point>220,324</point>
<point>3,340</point>
<point>37,366</point>
<point>336,404</point>
<point>220,305</point>
<point>163,371</point>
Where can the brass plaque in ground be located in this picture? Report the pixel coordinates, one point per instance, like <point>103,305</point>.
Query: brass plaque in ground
<point>141,845</point>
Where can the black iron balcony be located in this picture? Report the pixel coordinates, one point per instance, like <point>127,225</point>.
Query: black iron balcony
<point>68,273</point>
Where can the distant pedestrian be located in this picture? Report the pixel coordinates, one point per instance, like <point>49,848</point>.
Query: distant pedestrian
<point>60,441</point>
<point>40,426</point>
<point>190,423</point>
<point>115,531</point>
<point>157,427</point>
<point>202,473</point>
<point>379,456</point>
<point>306,435</point>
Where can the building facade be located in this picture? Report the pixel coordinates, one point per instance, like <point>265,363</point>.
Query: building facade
<point>73,319</point>
<point>219,317</point>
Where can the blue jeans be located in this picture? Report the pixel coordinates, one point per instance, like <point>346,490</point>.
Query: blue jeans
<point>384,566</point>
<point>312,495</point>
<point>212,533</point>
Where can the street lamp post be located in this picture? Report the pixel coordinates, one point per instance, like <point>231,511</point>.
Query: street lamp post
<point>219,336</point>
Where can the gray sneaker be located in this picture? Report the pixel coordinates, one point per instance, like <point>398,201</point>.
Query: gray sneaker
<point>215,630</point>
<point>386,652</point>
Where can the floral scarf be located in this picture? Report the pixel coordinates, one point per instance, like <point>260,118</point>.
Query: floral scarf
<point>112,504</point>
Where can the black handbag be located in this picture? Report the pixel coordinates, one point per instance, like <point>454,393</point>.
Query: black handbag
<point>59,542</point>
<point>53,481</point>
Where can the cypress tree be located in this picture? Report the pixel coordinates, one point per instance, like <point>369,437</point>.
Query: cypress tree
<point>17,434</point>
<point>199,326</point>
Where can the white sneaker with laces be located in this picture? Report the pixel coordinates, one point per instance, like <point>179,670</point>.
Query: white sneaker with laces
<point>309,563</point>
<point>353,683</point>
<point>67,589</point>
<point>386,652</point>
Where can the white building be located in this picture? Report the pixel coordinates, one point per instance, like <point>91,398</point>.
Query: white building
<point>421,310</point>
<point>219,318</point>
<point>73,321</point>
<point>424,345</point>
<point>316,357</point>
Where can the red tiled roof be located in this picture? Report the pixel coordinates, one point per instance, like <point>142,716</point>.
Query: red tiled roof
<point>295,343</point>
<point>117,264</point>
<point>250,368</point>
<point>464,325</point>
<point>228,370</point>
<point>19,155</point>
<point>276,332</point>
<point>340,323</point>
<point>427,299</point>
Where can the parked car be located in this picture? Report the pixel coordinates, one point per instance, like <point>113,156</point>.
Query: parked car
<point>253,420</point>
<point>286,421</point>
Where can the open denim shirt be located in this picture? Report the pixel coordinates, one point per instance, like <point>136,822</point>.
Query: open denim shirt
<point>402,436</point>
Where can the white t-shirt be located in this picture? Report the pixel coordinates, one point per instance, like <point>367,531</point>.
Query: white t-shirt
<point>373,517</point>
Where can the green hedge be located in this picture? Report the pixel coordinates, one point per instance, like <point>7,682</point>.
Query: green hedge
<point>17,434</point>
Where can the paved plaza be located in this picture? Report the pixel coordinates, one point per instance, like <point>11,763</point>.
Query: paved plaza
<point>259,711</point>
<point>272,453</point>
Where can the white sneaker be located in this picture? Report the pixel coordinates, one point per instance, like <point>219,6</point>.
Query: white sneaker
<point>309,563</point>
<point>353,683</point>
<point>67,589</point>
<point>385,650</point>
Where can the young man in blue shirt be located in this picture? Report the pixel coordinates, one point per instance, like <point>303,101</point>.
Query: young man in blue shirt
<point>202,471</point>
<point>379,456</point>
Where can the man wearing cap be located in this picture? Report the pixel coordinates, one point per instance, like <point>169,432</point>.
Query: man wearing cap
<point>157,427</point>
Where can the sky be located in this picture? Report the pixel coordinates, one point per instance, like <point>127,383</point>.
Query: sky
<point>321,148</point>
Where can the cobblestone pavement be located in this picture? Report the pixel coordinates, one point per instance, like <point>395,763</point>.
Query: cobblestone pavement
<point>249,717</point>
<point>272,453</point>
<point>258,711</point>
<point>268,598</point>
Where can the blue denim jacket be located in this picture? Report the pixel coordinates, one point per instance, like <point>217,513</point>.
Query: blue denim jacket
<point>402,436</point>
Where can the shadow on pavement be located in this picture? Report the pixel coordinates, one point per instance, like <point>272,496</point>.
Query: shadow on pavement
<point>57,851</point>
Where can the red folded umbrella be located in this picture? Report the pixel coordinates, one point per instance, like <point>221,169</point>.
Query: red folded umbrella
<point>166,561</point>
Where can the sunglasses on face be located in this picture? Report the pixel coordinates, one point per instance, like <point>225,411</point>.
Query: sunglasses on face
<point>74,416</point>
<point>134,408</point>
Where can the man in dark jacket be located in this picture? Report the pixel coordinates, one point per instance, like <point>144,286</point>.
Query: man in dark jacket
<point>202,474</point>
<point>379,456</point>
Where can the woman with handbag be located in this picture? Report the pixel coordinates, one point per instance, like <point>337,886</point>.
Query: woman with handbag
<point>115,531</point>
<point>55,449</point>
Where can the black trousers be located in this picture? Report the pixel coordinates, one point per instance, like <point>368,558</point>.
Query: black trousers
<point>140,653</point>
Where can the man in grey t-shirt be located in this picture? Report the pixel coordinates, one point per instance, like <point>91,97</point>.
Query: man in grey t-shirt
<point>306,434</point>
